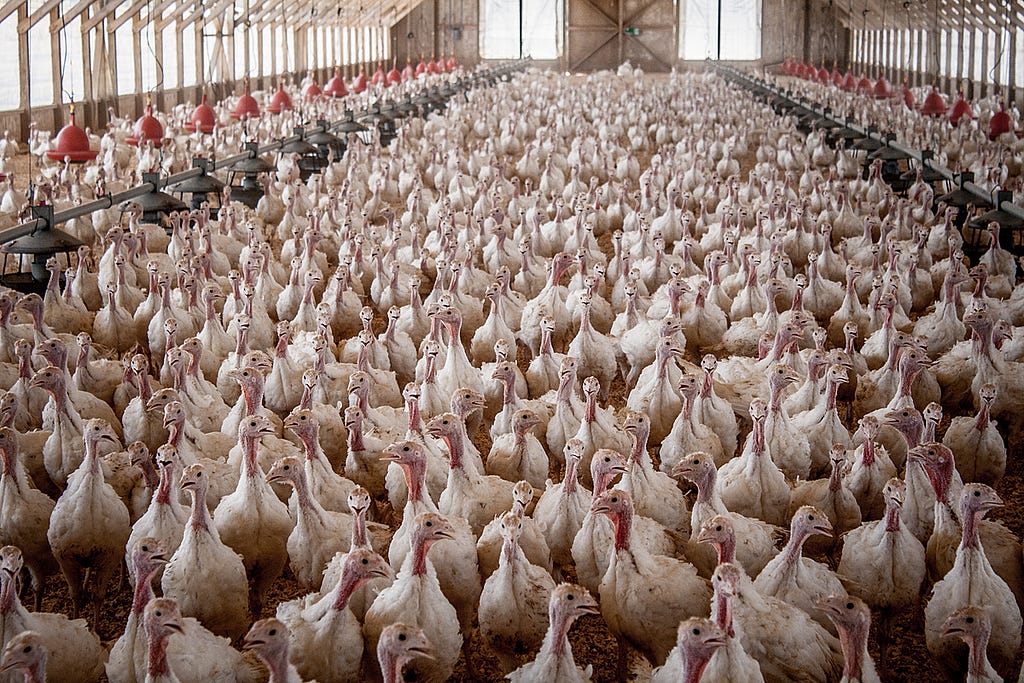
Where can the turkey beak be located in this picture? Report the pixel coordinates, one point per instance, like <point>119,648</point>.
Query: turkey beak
<point>588,607</point>
<point>822,526</point>
<point>704,536</point>
<point>252,643</point>
<point>422,651</point>
<point>174,625</point>
<point>825,605</point>
<point>619,469</point>
<point>994,502</point>
<point>379,573</point>
<point>267,430</point>
<point>159,558</point>
<point>390,453</point>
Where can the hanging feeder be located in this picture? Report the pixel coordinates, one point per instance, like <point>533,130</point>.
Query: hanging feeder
<point>824,77</point>
<point>895,162</point>
<point>148,128</point>
<point>881,90</point>
<point>1000,123</point>
<point>379,78</point>
<point>246,172</point>
<point>336,86</point>
<point>928,174</point>
<point>203,118</point>
<point>421,68</point>
<point>156,205</point>
<point>393,76</point>
<point>837,78</point>
<point>451,63</point>
<point>309,161</point>
<point>201,187</point>
<point>383,121</point>
<point>281,101</point>
<point>961,108</point>
<point>359,83</point>
<point>934,105</point>
<point>408,73</point>
<point>326,142</point>
<point>1009,224</point>
<point>908,97</point>
<point>960,198</point>
<point>247,107</point>
<point>71,143</point>
<point>312,91</point>
<point>349,126</point>
<point>41,244</point>
<point>849,83</point>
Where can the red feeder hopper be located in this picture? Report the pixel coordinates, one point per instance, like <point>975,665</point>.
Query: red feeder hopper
<point>359,82</point>
<point>71,143</point>
<point>203,118</point>
<point>336,86</point>
<point>864,86</point>
<point>408,73</point>
<point>394,76</point>
<point>824,76</point>
<point>147,128</point>
<point>934,105</point>
<point>378,77</point>
<point>441,66</point>
<point>849,83</point>
<point>421,68</point>
<point>999,123</point>
<point>908,97</point>
<point>882,90</point>
<point>280,102</point>
<point>961,108</point>
<point>312,91</point>
<point>247,107</point>
<point>452,64</point>
<point>837,78</point>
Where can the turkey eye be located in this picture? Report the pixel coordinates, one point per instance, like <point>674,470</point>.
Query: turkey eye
<point>405,449</point>
<point>430,524</point>
<point>444,422</point>
<point>696,631</point>
<point>158,613</point>
<point>977,494</point>
<point>287,467</point>
<point>615,499</point>
<point>810,517</point>
<point>570,596</point>
<point>28,648</point>
<point>849,605</point>
<point>607,459</point>
<point>718,528</point>
<point>401,636</point>
<point>696,462</point>
<point>145,548</point>
<point>272,632</point>
<point>366,561</point>
<point>969,620</point>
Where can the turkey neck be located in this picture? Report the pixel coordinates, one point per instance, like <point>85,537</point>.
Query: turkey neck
<point>623,528</point>
<point>831,389</point>
<point>359,536</point>
<point>868,451</point>
<point>971,519</point>
<point>415,475</point>
<point>638,455</point>
<point>310,438</point>
<point>164,487</point>
<point>144,573</point>
<point>892,518</point>
<point>976,658</point>
<point>391,668</point>
<point>853,638</point>
<point>694,665</point>
<point>157,659</point>
<point>590,415</point>
<point>420,547</point>
<point>253,393</point>
<point>307,504</point>
<point>355,437</point>
<point>569,483</point>
<point>349,584</point>
<point>722,608</point>
<point>981,422</point>
<point>794,548</point>
<point>250,447</point>
<point>453,439</point>
<point>908,373</point>
<point>557,639</point>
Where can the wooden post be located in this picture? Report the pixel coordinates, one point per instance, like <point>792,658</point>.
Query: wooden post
<point>24,75</point>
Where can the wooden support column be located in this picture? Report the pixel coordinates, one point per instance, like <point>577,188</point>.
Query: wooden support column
<point>24,64</point>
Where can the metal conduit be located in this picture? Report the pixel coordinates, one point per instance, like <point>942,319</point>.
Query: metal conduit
<point>110,200</point>
<point>754,84</point>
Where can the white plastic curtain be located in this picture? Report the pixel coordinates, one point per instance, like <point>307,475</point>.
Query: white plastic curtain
<point>740,29</point>
<point>510,29</point>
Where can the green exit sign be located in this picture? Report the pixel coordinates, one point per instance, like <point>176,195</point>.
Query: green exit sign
<point>632,31</point>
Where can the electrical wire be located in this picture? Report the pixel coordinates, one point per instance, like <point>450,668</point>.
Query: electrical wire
<point>149,42</point>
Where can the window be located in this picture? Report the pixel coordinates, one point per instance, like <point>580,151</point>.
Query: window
<point>720,29</point>
<point>511,29</point>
